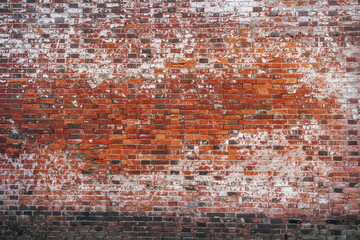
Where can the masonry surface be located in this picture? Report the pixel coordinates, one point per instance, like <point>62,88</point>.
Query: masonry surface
<point>168,119</point>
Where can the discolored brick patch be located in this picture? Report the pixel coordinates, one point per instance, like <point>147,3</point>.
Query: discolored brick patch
<point>179,120</point>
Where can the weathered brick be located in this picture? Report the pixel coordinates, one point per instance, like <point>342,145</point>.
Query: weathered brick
<point>179,120</point>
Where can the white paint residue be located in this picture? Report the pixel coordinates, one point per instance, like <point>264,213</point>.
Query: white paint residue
<point>45,171</point>
<point>13,128</point>
<point>25,162</point>
<point>19,162</point>
<point>61,173</point>
<point>75,103</point>
<point>260,171</point>
<point>330,81</point>
<point>226,6</point>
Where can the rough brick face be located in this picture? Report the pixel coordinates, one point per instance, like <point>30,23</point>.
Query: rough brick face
<point>168,119</point>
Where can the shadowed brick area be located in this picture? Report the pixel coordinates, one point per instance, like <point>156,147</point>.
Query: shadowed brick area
<point>168,119</point>
<point>161,225</point>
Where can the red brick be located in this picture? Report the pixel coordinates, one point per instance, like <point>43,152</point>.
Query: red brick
<point>173,119</point>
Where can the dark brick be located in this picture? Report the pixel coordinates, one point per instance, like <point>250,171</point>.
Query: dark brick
<point>335,222</point>
<point>295,221</point>
<point>335,232</point>
<point>201,235</point>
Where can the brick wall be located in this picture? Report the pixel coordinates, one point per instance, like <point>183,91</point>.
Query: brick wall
<point>168,119</point>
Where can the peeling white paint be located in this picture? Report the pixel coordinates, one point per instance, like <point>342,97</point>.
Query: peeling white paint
<point>13,128</point>
<point>226,6</point>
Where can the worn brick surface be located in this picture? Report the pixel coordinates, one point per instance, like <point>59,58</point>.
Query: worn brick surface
<point>168,119</point>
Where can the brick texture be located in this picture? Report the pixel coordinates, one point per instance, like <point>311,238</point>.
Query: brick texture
<point>169,119</point>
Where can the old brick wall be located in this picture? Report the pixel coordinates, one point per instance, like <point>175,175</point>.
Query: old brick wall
<point>169,119</point>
